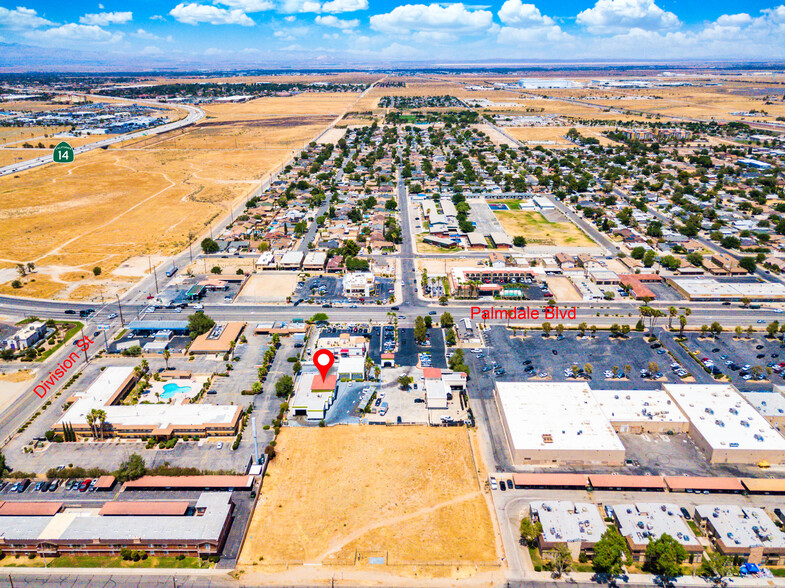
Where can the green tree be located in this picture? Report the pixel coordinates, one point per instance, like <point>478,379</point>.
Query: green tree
<point>132,468</point>
<point>530,532</point>
<point>717,567</point>
<point>284,387</point>
<point>519,241</point>
<point>562,560</point>
<point>664,557</point>
<point>199,323</point>
<point>318,317</point>
<point>209,246</point>
<point>609,553</point>
<point>446,320</point>
<point>420,330</point>
<point>546,328</point>
<point>96,271</point>
<point>405,382</point>
<point>748,263</point>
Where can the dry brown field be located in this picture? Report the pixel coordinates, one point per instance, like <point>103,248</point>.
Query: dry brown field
<point>146,196</point>
<point>540,231</point>
<point>339,495</point>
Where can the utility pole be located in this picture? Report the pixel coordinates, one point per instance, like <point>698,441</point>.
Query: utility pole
<point>255,441</point>
<point>152,271</point>
<point>120,310</point>
<point>85,349</point>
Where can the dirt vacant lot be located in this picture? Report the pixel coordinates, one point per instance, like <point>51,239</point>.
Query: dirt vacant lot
<point>540,231</point>
<point>340,495</point>
<point>146,196</point>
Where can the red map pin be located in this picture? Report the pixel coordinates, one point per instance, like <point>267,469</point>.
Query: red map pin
<point>323,360</point>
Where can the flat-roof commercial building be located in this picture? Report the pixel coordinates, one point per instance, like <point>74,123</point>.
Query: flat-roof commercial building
<point>631,483</point>
<point>647,521</point>
<point>744,531</point>
<point>578,525</point>
<point>726,426</point>
<point>144,420</point>
<point>359,284</point>
<point>710,290</point>
<point>549,422</point>
<point>157,529</point>
<point>217,340</point>
<point>770,404</point>
<point>641,411</point>
<point>561,481</point>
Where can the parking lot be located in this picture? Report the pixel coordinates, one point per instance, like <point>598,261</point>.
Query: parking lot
<point>746,360</point>
<point>616,363</point>
<point>411,353</point>
<point>329,290</point>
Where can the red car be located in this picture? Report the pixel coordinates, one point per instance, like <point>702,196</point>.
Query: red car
<point>85,485</point>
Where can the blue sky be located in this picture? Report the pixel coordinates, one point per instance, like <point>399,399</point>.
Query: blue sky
<point>256,31</point>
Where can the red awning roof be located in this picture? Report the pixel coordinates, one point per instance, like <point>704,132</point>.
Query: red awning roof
<point>609,481</point>
<point>142,508</point>
<point>677,483</point>
<point>556,480</point>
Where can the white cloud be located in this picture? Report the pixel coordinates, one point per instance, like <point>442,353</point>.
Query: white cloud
<point>158,17</point>
<point>336,6</point>
<point>247,5</point>
<point>73,32</point>
<point>193,14</point>
<point>333,21</point>
<point>526,24</point>
<point>621,16</point>
<point>450,19</point>
<point>143,34</point>
<point>331,36</point>
<point>106,18</point>
<point>734,20</point>
<point>516,14</point>
<point>100,6</point>
<point>291,33</point>
<point>150,50</point>
<point>21,18</point>
<point>290,18</point>
<point>301,6</point>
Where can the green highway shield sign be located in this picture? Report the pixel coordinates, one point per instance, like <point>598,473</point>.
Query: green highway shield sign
<point>63,153</point>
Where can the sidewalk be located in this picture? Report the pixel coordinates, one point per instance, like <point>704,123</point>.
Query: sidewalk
<point>649,580</point>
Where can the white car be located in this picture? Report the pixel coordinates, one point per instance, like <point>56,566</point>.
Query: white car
<point>112,316</point>
<point>494,485</point>
<point>220,445</point>
<point>198,306</point>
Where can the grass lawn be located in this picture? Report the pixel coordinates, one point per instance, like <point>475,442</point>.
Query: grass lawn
<point>70,333</point>
<point>511,204</point>
<point>540,231</point>
<point>89,561</point>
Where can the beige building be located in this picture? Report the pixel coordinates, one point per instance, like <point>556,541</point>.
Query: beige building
<point>549,422</point>
<point>725,426</point>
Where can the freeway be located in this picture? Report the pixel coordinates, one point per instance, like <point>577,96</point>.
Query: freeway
<point>194,115</point>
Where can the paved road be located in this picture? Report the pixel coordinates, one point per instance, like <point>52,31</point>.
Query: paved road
<point>194,115</point>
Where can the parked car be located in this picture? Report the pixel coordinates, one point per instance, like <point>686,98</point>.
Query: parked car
<point>85,485</point>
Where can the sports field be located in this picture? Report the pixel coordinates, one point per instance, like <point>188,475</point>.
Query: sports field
<point>338,496</point>
<point>540,231</point>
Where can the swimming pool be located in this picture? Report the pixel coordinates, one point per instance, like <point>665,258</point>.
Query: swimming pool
<point>171,389</point>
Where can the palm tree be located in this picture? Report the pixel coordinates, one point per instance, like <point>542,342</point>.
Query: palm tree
<point>627,370</point>
<point>232,345</point>
<point>91,421</point>
<point>682,324</point>
<point>672,312</point>
<point>101,416</point>
<point>167,355</point>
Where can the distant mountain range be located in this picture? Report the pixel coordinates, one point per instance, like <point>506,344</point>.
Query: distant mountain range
<point>18,58</point>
